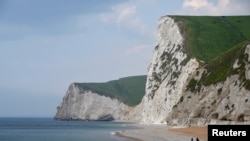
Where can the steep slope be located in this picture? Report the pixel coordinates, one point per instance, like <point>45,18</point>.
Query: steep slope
<point>129,90</point>
<point>103,101</point>
<point>217,95</point>
<point>199,74</point>
<point>207,37</point>
<point>186,84</point>
<point>168,72</point>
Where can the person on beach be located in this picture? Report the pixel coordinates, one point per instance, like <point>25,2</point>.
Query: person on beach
<point>197,139</point>
<point>191,139</point>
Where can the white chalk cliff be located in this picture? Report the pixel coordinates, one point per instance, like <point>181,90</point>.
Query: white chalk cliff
<point>167,99</point>
<point>223,102</point>
<point>81,104</point>
<point>168,73</point>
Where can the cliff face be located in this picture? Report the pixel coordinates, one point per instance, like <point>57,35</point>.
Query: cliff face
<point>223,102</point>
<point>168,73</point>
<point>168,99</point>
<point>81,104</point>
<point>176,89</point>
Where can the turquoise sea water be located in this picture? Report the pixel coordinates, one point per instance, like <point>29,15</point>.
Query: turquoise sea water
<point>47,129</point>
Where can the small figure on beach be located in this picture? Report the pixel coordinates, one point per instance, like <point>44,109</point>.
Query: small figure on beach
<point>191,139</point>
<point>197,139</point>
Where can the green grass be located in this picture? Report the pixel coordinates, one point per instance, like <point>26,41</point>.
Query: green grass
<point>129,90</point>
<point>218,41</point>
<point>241,23</point>
<point>208,37</point>
<point>222,67</point>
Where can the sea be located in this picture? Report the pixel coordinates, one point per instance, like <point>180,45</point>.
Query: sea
<point>48,129</point>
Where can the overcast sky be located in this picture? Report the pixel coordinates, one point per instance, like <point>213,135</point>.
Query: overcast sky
<point>45,45</point>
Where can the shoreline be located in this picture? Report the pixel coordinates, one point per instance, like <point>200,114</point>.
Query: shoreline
<point>119,134</point>
<point>151,132</point>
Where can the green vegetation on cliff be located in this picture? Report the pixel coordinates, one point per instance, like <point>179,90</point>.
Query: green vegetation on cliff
<point>217,41</point>
<point>208,37</point>
<point>222,67</point>
<point>129,90</point>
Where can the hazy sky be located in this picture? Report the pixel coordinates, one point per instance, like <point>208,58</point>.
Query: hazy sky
<point>45,45</point>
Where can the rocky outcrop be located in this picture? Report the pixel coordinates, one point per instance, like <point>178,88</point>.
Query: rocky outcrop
<point>167,99</point>
<point>168,73</point>
<point>81,104</point>
<point>226,101</point>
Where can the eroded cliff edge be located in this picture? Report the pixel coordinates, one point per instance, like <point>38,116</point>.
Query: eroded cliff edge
<point>167,74</point>
<point>103,101</point>
<point>176,90</point>
<point>180,88</point>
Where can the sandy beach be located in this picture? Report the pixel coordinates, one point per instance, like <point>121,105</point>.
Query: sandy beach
<point>165,133</point>
<point>200,132</point>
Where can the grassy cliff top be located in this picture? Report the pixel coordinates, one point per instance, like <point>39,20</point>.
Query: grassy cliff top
<point>218,41</point>
<point>207,37</point>
<point>212,39</point>
<point>129,90</point>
